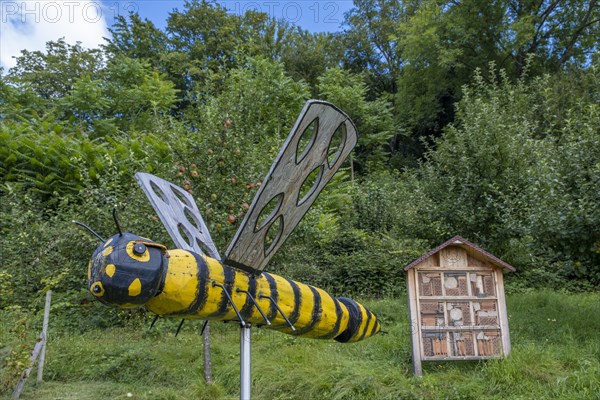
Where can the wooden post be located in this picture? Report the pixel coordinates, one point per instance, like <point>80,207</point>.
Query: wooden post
<point>34,355</point>
<point>44,337</point>
<point>414,322</point>
<point>502,313</point>
<point>38,351</point>
<point>207,365</point>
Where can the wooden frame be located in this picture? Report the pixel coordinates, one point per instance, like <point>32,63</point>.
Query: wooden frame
<point>457,307</point>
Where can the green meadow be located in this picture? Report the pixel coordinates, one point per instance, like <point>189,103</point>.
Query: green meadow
<point>555,355</point>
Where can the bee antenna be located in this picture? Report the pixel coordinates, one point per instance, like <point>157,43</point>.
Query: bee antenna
<point>117,221</point>
<point>89,229</point>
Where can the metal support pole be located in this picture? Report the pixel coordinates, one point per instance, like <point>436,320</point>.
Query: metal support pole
<point>245,364</point>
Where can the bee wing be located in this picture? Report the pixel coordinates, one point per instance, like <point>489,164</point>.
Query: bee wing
<point>293,183</point>
<point>179,214</point>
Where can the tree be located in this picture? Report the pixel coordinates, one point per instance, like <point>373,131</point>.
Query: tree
<point>373,40</point>
<point>424,51</point>
<point>136,38</point>
<point>445,42</point>
<point>517,172</point>
<point>477,172</point>
<point>309,55</point>
<point>52,74</point>
<point>557,32</point>
<point>373,118</point>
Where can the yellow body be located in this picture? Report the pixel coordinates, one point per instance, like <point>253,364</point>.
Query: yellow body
<point>192,289</point>
<point>130,271</point>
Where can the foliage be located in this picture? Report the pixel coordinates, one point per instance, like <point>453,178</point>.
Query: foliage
<point>52,74</point>
<point>478,119</point>
<point>135,38</point>
<point>424,51</point>
<point>208,101</point>
<point>567,201</point>
<point>373,118</point>
<point>223,159</point>
<point>373,40</point>
<point>499,176</point>
<point>48,157</point>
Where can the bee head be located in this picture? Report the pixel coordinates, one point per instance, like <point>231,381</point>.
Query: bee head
<point>127,270</point>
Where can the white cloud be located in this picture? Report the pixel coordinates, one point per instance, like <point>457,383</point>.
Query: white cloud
<point>30,24</point>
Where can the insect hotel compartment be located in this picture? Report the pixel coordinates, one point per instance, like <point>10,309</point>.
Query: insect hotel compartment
<point>435,344</point>
<point>459,314</point>
<point>486,313</point>
<point>461,344</point>
<point>488,343</point>
<point>455,284</point>
<point>482,284</point>
<point>432,313</point>
<point>431,284</point>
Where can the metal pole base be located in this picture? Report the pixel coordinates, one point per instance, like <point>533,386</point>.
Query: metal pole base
<point>245,364</point>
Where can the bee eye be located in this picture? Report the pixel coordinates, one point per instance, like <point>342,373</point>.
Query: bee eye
<point>97,289</point>
<point>139,249</point>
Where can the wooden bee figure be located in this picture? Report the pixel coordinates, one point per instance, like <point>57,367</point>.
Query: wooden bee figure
<point>194,282</point>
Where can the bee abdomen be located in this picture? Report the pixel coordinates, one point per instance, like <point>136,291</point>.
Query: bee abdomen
<point>361,325</point>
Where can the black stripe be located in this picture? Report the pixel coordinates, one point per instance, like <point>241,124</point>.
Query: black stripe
<point>374,330</point>
<point>235,264</point>
<point>229,275</point>
<point>316,313</point>
<point>164,266</point>
<point>272,314</point>
<point>338,321</point>
<point>246,310</point>
<point>293,317</point>
<point>364,331</point>
<point>354,320</point>
<point>201,290</point>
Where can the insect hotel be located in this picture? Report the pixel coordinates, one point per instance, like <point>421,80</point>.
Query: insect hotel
<point>456,303</point>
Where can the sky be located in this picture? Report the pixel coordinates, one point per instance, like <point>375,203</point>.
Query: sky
<point>30,24</point>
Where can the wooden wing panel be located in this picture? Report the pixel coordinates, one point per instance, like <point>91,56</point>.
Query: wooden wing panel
<point>318,144</point>
<point>179,214</point>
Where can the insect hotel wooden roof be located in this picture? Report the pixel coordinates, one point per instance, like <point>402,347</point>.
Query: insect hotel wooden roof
<point>471,249</point>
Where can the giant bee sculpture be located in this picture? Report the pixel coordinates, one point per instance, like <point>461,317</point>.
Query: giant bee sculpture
<point>195,282</point>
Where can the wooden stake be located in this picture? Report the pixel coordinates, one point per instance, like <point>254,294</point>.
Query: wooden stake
<point>44,337</point>
<point>39,351</point>
<point>207,364</point>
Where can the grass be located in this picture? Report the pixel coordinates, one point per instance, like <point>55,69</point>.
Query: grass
<point>555,355</point>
